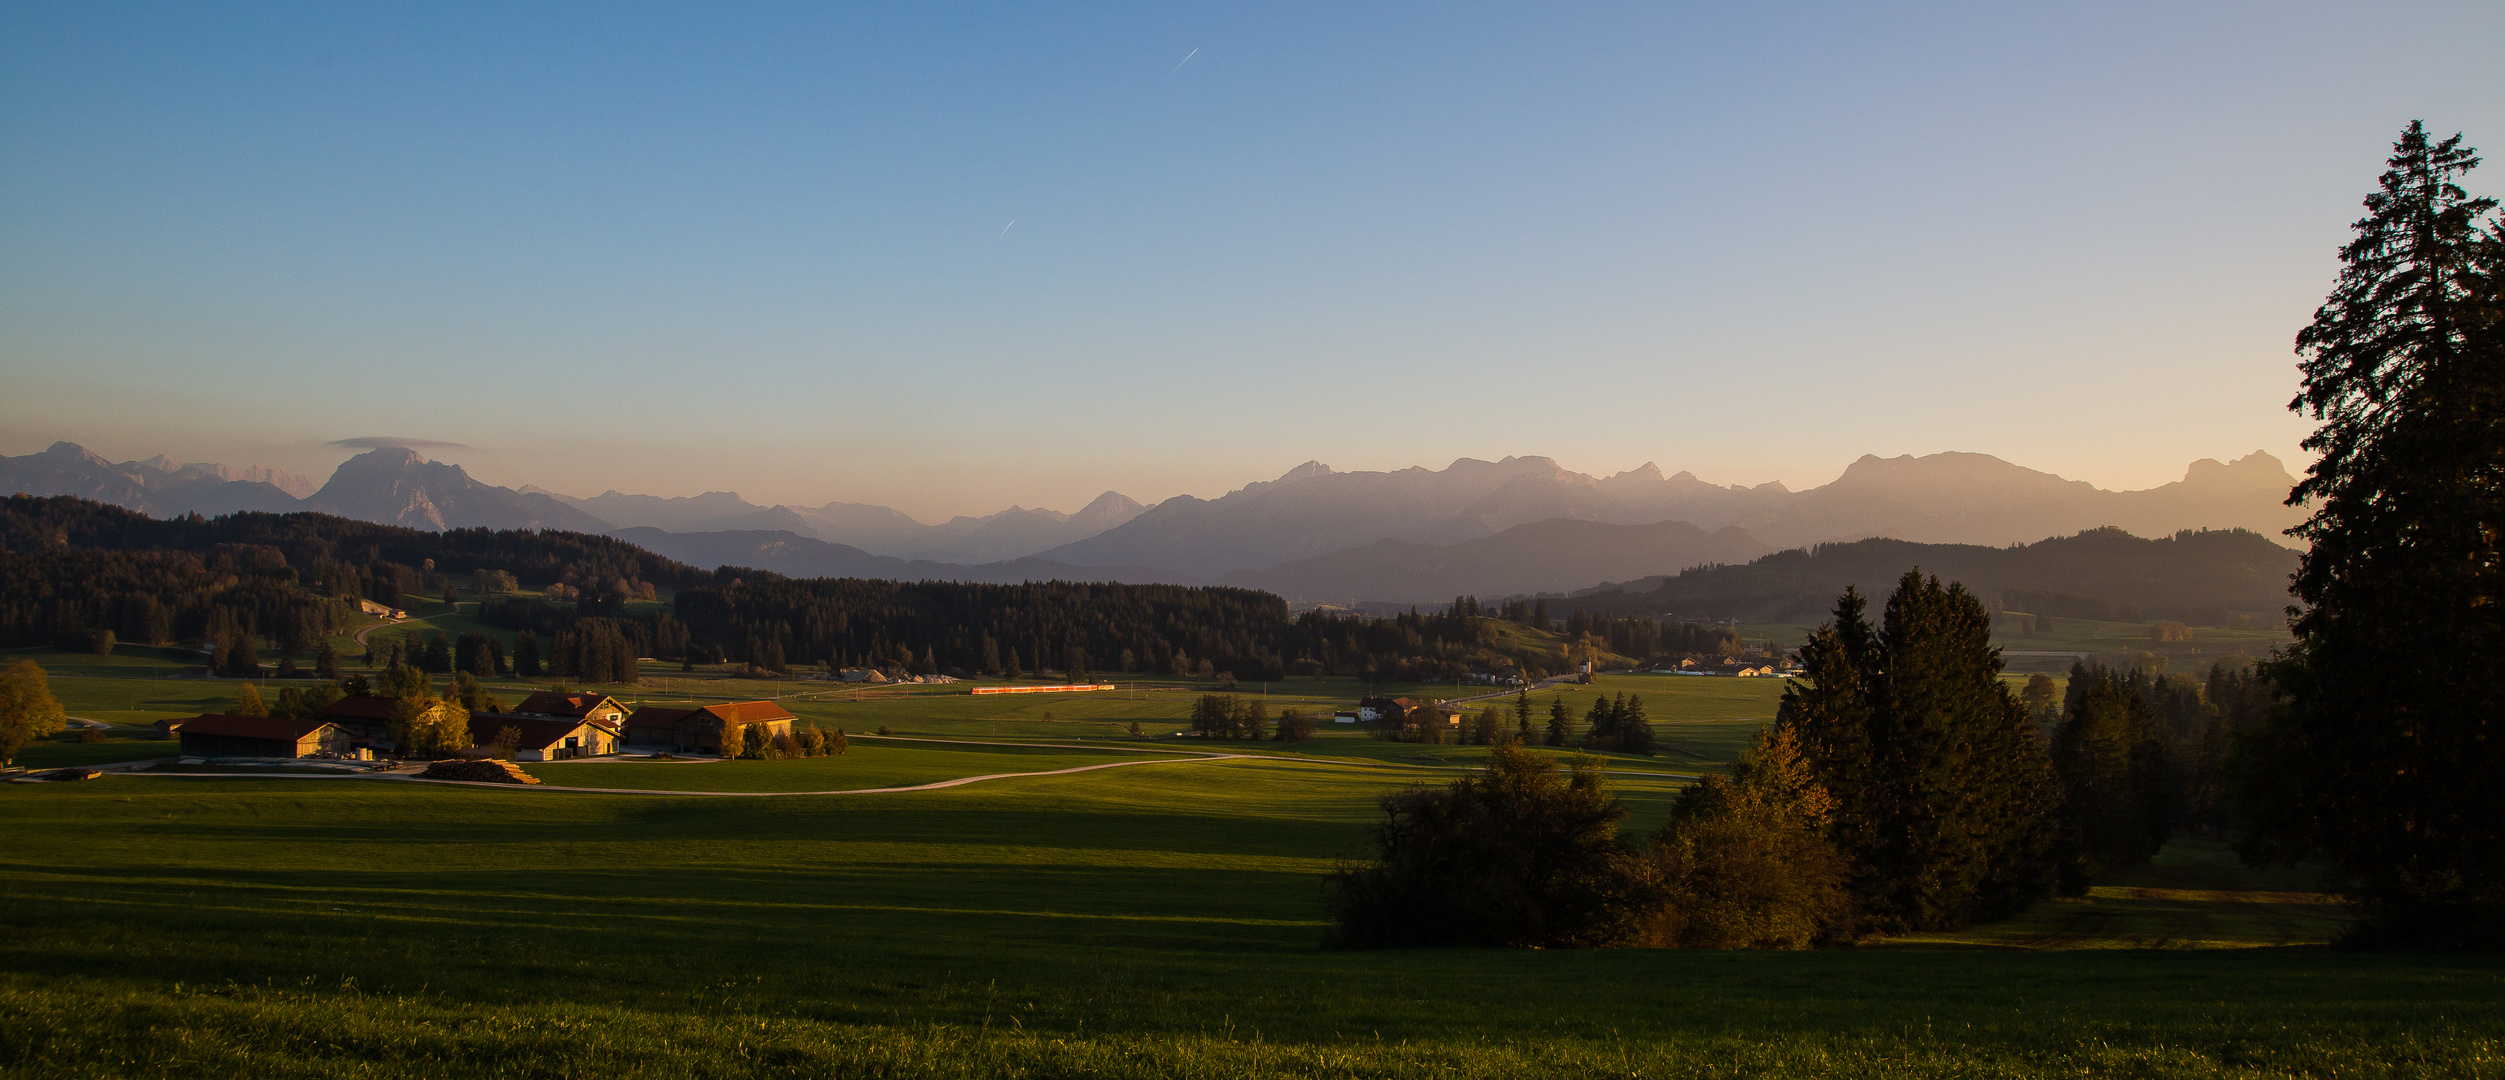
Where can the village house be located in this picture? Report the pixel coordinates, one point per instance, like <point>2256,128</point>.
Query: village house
<point>656,728</point>
<point>367,720</point>
<point>380,610</point>
<point>1375,710</point>
<point>541,738</point>
<point>218,735</point>
<point>585,705</point>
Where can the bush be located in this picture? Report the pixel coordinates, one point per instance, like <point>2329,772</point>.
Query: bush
<point>91,735</point>
<point>1745,862</point>
<point>1515,856</point>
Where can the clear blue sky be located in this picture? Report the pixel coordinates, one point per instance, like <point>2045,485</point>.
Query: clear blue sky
<point>762,248</point>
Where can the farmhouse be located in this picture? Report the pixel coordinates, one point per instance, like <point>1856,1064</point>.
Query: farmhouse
<point>656,728</point>
<point>379,610</point>
<point>215,735</point>
<point>599,708</point>
<point>367,720</point>
<point>1375,710</point>
<point>543,738</point>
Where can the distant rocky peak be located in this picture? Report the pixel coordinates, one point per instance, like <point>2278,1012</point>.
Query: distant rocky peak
<point>71,451</point>
<point>1306,471</point>
<point>2252,471</point>
<point>1110,503</point>
<point>1647,473</point>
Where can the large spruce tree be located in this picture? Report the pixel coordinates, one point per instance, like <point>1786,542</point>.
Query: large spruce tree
<point>1944,799</point>
<point>2118,787</point>
<point>2386,757</point>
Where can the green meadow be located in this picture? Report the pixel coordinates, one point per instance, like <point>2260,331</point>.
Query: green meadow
<point>1161,919</point>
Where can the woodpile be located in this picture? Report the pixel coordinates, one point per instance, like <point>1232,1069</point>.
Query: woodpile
<point>488,771</point>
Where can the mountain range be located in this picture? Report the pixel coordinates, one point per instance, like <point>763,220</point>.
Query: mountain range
<point>1516,526</point>
<point>2201,576</point>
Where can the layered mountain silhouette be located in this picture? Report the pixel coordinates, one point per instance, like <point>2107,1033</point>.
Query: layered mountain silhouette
<point>1540,556</point>
<point>2204,577</point>
<point>158,486</point>
<point>1417,535</point>
<point>398,486</point>
<point>1009,534</point>
<point>794,555</point>
<point>1941,498</point>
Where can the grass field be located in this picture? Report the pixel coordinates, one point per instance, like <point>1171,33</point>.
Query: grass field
<point>1157,920</point>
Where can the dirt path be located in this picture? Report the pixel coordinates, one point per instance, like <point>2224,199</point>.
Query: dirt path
<point>932,786</point>
<point>456,609</point>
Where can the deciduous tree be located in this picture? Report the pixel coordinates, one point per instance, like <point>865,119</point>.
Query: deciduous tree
<point>27,709</point>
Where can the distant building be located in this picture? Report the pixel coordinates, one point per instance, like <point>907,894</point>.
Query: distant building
<point>367,720</point>
<point>595,707</point>
<point>381,610</point>
<point>1375,710</point>
<point>218,735</point>
<point>545,738</point>
<point>655,728</point>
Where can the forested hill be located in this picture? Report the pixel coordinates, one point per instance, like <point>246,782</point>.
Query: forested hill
<point>73,569</point>
<point>2207,578</point>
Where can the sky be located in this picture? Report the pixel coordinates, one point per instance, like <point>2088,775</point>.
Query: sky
<point>948,258</point>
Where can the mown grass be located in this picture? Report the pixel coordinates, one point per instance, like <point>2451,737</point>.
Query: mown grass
<point>1130,922</point>
<point>867,764</point>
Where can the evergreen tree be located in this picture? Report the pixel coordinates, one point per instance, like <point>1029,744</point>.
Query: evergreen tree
<point>242,661</point>
<point>1522,716</point>
<point>1635,731</point>
<point>526,655</point>
<point>1945,802</point>
<point>2116,788</point>
<point>326,661</point>
<point>1560,723</point>
<point>2386,757</point>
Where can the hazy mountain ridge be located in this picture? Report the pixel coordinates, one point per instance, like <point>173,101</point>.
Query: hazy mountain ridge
<point>1943,498</point>
<point>2198,576</point>
<point>1012,533</point>
<point>1519,525</point>
<point>794,555</point>
<point>1540,556</point>
<point>158,486</point>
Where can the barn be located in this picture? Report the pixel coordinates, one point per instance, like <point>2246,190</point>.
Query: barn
<point>656,728</point>
<point>215,735</point>
<point>542,738</point>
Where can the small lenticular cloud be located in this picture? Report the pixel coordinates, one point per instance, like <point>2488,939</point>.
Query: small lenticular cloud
<point>377,442</point>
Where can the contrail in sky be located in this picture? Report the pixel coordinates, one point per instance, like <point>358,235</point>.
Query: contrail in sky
<point>1187,58</point>
<point>1004,230</point>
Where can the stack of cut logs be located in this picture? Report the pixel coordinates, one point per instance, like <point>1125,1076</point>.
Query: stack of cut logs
<point>489,771</point>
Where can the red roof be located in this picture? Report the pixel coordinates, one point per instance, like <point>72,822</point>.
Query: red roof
<point>551,703</point>
<point>249,727</point>
<point>750,712</point>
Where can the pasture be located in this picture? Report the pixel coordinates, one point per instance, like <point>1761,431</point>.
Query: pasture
<point>1160,919</point>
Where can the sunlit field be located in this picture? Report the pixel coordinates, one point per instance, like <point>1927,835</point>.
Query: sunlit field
<point>1160,918</point>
